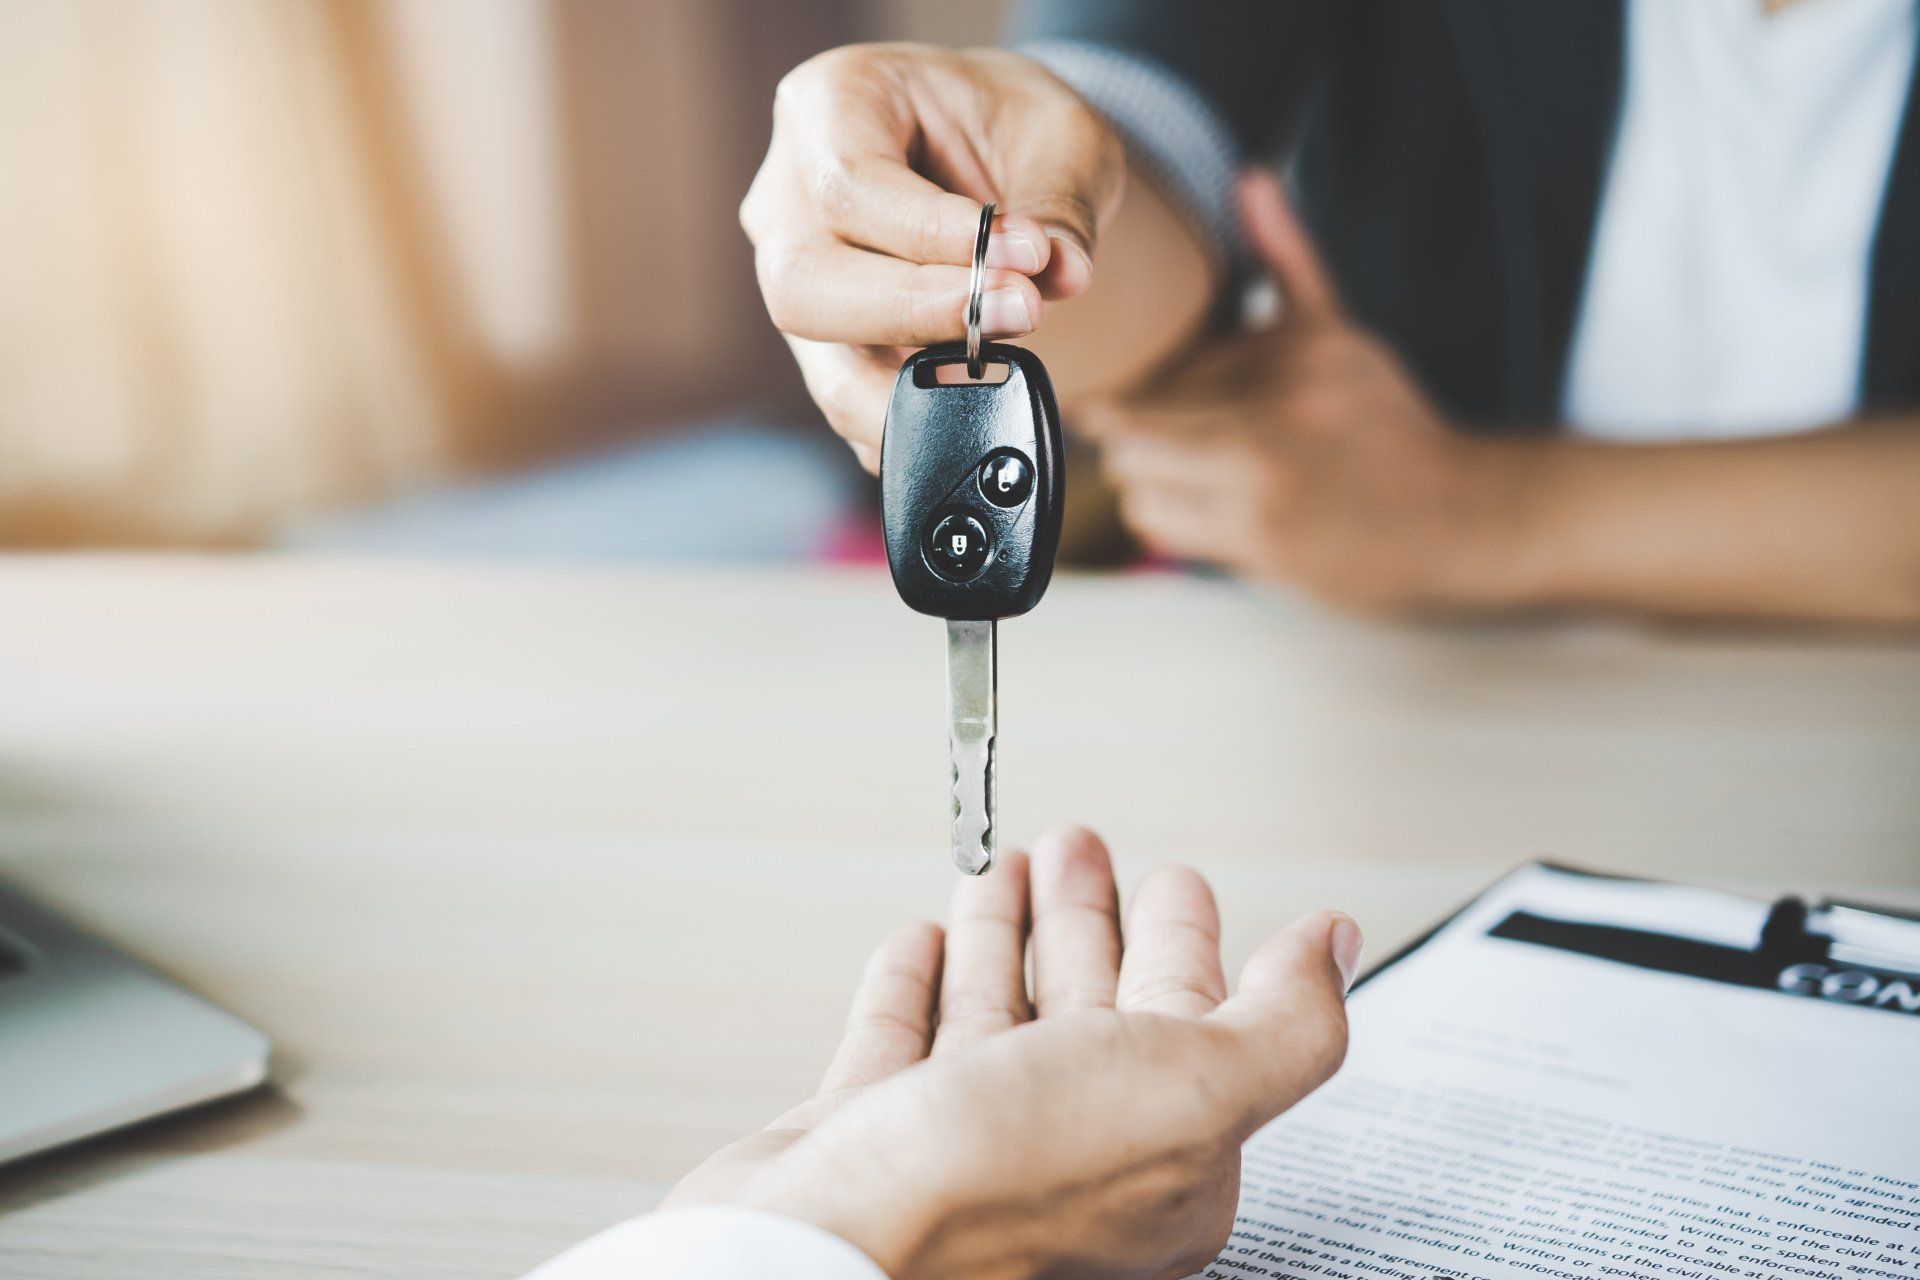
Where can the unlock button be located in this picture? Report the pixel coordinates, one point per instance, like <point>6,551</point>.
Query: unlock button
<point>957,548</point>
<point>1006,479</point>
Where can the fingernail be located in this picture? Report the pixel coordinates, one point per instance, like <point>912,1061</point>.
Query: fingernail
<point>1013,251</point>
<point>1347,943</point>
<point>1076,271</point>
<point>1003,313</point>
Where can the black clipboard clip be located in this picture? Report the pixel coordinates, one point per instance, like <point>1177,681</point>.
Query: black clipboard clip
<point>1840,952</point>
<point>1843,935</point>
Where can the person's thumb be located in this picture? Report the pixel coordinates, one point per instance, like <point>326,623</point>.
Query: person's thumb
<point>1290,1011</point>
<point>1070,184</point>
<point>1284,248</point>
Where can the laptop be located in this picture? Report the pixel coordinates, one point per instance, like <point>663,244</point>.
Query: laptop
<point>91,1040</point>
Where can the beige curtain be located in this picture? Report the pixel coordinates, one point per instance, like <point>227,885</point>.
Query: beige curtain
<point>199,326</point>
<point>261,257</point>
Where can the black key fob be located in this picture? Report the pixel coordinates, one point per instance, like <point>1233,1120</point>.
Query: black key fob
<point>971,485</point>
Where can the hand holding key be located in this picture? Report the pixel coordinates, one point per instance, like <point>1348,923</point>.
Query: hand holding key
<point>863,213</point>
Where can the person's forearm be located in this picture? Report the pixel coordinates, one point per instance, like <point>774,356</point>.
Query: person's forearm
<point>1816,527</point>
<point>1153,287</point>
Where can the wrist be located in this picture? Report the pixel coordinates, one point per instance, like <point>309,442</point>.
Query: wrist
<point>896,1229</point>
<point>909,1236</point>
<point>1490,555</point>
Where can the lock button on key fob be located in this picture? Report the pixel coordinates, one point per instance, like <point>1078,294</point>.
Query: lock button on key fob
<point>958,547</point>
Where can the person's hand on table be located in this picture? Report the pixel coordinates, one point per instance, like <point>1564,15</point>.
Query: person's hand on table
<point>1088,1126</point>
<point>864,213</point>
<point>1306,453</point>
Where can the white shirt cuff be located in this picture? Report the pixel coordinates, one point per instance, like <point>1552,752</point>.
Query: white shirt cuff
<point>711,1242</point>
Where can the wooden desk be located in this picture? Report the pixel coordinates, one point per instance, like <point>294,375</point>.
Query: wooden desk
<point>548,882</point>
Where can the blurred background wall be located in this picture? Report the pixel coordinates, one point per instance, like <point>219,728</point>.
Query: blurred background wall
<point>266,259</point>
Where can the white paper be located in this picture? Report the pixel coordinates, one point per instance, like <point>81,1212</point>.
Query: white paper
<point>1512,1110</point>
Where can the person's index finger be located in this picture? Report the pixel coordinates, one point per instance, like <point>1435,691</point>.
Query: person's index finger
<point>856,137</point>
<point>835,293</point>
<point>866,193</point>
<point>880,204</point>
<point>1290,1011</point>
<point>852,136</point>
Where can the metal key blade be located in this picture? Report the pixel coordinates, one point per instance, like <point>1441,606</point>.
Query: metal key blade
<point>970,716</point>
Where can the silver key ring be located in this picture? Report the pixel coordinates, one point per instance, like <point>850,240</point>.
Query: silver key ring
<point>976,283</point>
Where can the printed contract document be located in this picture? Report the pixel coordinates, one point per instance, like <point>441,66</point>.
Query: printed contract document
<point>1582,1077</point>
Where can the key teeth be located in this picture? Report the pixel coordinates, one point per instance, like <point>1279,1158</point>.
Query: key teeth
<point>988,835</point>
<point>977,860</point>
<point>970,742</point>
<point>974,856</point>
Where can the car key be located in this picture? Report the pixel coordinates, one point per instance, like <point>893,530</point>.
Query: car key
<point>970,498</point>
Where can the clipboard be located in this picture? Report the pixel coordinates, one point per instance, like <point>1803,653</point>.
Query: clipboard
<point>1577,1075</point>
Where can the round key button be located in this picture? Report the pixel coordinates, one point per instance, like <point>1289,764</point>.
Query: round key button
<point>1006,479</point>
<point>957,548</point>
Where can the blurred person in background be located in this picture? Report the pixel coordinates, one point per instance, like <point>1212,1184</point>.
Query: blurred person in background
<point>1610,304</point>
